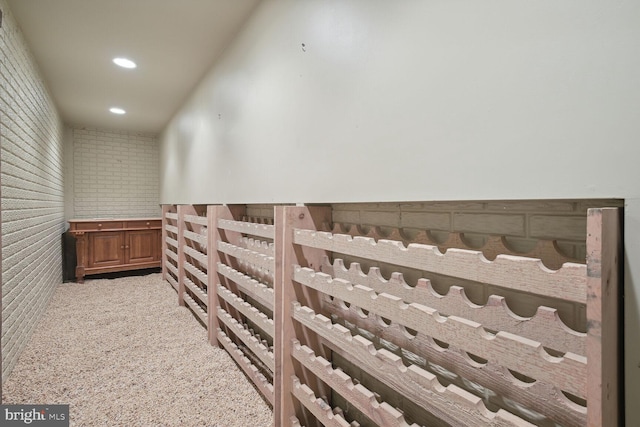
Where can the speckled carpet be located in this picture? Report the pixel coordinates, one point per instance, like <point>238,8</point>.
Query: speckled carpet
<point>121,352</point>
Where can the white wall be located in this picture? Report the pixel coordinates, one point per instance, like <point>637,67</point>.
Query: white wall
<point>32,192</point>
<point>422,100</point>
<point>112,174</point>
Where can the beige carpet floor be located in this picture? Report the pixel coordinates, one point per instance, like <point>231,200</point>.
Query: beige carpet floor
<point>121,352</point>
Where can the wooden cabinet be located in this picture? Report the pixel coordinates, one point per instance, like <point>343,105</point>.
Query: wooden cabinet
<point>108,245</point>
<point>105,249</point>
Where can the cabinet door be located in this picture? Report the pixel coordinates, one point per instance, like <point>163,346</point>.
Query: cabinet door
<point>143,246</point>
<point>106,249</point>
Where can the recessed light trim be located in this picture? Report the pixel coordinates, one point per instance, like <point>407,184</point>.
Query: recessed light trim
<point>124,62</point>
<point>117,110</point>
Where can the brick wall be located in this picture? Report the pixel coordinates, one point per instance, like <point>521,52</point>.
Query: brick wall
<point>32,192</point>
<point>115,174</point>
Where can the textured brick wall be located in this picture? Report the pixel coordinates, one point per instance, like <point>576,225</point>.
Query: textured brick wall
<point>32,192</point>
<point>115,174</point>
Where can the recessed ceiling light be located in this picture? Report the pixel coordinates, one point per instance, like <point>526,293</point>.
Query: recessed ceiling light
<point>116,110</point>
<point>124,62</point>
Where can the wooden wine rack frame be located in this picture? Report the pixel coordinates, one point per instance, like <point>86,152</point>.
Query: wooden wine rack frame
<point>280,299</point>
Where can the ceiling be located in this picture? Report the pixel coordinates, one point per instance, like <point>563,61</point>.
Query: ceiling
<point>173,42</point>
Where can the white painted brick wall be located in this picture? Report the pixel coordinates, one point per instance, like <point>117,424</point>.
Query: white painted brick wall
<point>115,174</point>
<point>32,192</point>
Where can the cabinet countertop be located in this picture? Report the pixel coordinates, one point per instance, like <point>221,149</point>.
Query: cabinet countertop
<point>113,219</point>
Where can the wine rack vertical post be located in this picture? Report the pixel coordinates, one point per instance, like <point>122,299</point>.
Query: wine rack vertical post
<point>288,218</point>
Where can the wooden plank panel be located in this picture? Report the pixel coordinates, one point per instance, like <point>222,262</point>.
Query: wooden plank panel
<point>558,227</point>
<point>490,223</point>
<point>540,397</point>
<point>196,237</point>
<point>259,260</point>
<point>173,269</point>
<point>546,250</point>
<point>171,228</point>
<point>604,255</point>
<point>568,283</point>
<point>357,395</point>
<point>450,404</point>
<point>249,311</point>
<point>171,215</point>
<point>172,242</point>
<point>260,246</point>
<point>199,274</point>
<point>262,384</point>
<point>198,311</point>
<point>318,407</point>
<point>252,343</point>
<point>214,234</point>
<point>171,254</point>
<point>196,219</point>
<point>257,290</point>
<point>545,326</point>
<point>514,352</point>
<point>197,291</point>
<point>172,281</point>
<point>260,230</point>
<point>197,255</point>
<point>425,220</point>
